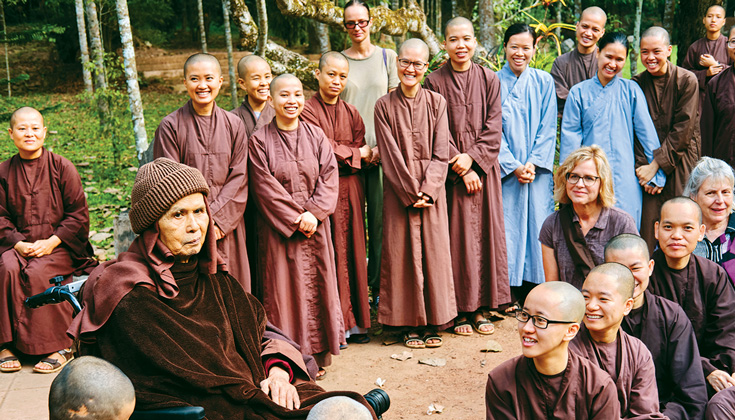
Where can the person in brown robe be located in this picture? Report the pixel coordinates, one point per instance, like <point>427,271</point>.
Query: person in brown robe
<point>700,286</point>
<point>182,329</point>
<point>479,261</point>
<point>205,136</point>
<point>416,286</point>
<point>345,130</point>
<point>608,295</point>
<point>666,331</point>
<point>717,122</point>
<point>295,182</point>
<point>673,102</point>
<point>722,405</point>
<point>44,224</point>
<point>580,63</point>
<point>708,56</point>
<point>548,381</point>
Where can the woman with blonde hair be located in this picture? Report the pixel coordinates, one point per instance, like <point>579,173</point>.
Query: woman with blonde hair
<point>573,239</point>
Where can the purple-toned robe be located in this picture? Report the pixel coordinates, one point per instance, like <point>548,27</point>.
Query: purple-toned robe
<point>717,122</point>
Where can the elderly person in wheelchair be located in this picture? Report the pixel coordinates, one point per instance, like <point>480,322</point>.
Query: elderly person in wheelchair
<point>169,315</point>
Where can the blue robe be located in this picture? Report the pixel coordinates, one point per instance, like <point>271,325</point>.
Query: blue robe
<point>529,135</point>
<point>612,117</point>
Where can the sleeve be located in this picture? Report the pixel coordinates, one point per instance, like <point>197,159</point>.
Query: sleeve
<point>572,133</point>
<point>498,404</point>
<point>435,175</point>
<point>546,235</point>
<point>691,63</point>
<point>397,175</point>
<point>275,203</point>
<point>718,350</point>
<point>560,85</point>
<point>305,364</point>
<point>228,208</point>
<point>164,141</point>
<point>279,350</point>
<point>391,57</point>
<point>605,405</point>
<point>345,155</point>
<point>9,235</point>
<point>643,399</point>
<point>544,145</point>
<point>677,140</point>
<point>73,230</point>
<point>645,131</point>
<point>487,146</point>
<point>708,120</point>
<point>323,200</point>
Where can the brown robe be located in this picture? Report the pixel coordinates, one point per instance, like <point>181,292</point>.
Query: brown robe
<point>569,69</point>
<point>416,286</point>
<point>187,334</point>
<point>476,227</point>
<point>252,124</point>
<point>217,146</point>
<point>631,367</point>
<point>345,129</point>
<point>516,390</point>
<point>667,333</point>
<point>722,405</point>
<point>706,294</point>
<point>673,102</point>
<point>293,172</point>
<point>716,48</point>
<point>40,198</point>
<point>718,124</point>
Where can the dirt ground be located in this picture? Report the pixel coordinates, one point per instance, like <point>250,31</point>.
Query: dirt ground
<point>459,386</point>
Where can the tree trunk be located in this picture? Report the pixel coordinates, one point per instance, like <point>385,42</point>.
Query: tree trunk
<point>669,12</point>
<point>438,16</point>
<point>486,34</point>
<point>202,32</point>
<point>577,9</point>
<point>636,39</point>
<point>397,39</point>
<point>246,26</point>
<point>322,37</point>
<point>558,20</point>
<point>230,58</point>
<point>688,24</point>
<point>131,78</point>
<point>5,43</point>
<point>262,28</point>
<point>83,47</point>
<point>98,53</point>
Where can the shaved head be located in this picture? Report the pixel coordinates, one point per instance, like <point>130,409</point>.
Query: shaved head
<point>201,58</point>
<point>332,55</point>
<point>626,241</point>
<point>339,408</point>
<point>658,33</point>
<point>458,21</point>
<point>594,12</point>
<point>684,200</point>
<point>622,275</point>
<point>415,44</point>
<point>563,298</point>
<point>246,62</point>
<point>282,78</point>
<point>717,6</point>
<point>26,110</point>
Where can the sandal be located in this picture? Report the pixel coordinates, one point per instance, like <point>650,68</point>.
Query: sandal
<point>320,374</point>
<point>413,337</point>
<point>482,322</point>
<point>462,322</point>
<point>513,308</point>
<point>359,339</point>
<point>10,358</point>
<point>56,365</point>
<point>432,335</point>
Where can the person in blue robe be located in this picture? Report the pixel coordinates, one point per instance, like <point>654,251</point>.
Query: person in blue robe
<point>526,156</point>
<point>611,112</point>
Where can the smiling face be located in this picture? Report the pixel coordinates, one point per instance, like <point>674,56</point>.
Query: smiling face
<point>578,193</point>
<point>287,95</point>
<point>655,54</point>
<point>610,61</point>
<point>605,306</point>
<point>256,81</point>
<point>715,199</point>
<point>639,265</point>
<point>410,77</point>
<point>714,20</point>
<point>460,43</point>
<point>590,28</point>
<point>332,78</point>
<point>203,81</point>
<point>358,13</point>
<point>28,133</point>
<point>537,342</point>
<point>678,231</point>
<point>183,228</point>
<point>519,51</point>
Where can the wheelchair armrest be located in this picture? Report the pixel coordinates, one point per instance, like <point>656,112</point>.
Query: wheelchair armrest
<point>171,413</point>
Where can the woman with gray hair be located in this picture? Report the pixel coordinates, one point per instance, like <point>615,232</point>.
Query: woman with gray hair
<point>710,185</point>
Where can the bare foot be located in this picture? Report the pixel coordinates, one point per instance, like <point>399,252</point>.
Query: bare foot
<point>462,326</point>
<point>482,324</point>
<point>8,365</point>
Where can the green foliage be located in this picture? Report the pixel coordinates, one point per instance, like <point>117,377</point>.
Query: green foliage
<point>16,79</point>
<point>35,32</point>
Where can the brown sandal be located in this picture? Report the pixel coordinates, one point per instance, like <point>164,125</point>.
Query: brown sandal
<point>55,364</point>
<point>10,358</point>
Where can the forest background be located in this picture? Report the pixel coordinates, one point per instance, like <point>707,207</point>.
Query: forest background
<point>102,108</point>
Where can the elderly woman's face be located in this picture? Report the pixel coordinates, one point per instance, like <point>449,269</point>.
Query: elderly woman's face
<point>183,228</point>
<point>587,188</point>
<point>715,199</point>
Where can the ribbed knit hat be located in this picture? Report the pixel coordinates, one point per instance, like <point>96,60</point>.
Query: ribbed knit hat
<point>158,185</point>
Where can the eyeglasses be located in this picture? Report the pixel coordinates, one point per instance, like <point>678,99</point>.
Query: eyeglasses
<point>731,43</point>
<point>360,23</point>
<point>417,65</point>
<point>537,320</point>
<point>587,180</point>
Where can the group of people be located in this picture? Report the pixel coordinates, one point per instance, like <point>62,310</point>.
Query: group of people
<point>426,160</point>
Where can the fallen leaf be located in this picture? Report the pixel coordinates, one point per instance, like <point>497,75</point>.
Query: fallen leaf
<point>380,382</point>
<point>91,190</point>
<point>133,169</point>
<point>403,356</point>
<point>99,237</point>
<point>112,191</point>
<point>492,346</point>
<point>83,164</point>
<point>436,362</point>
<point>107,229</point>
<point>435,408</point>
<point>482,363</point>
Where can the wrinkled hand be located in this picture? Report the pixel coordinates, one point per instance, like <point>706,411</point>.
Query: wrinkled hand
<point>366,153</point>
<point>707,60</point>
<point>646,173</point>
<point>523,175</point>
<point>23,248</point>
<point>280,390</point>
<point>652,189</point>
<point>43,247</point>
<point>472,182</point>
<point>307,223</point>
<point>720,380</point>
<point>375,160</point>
<point>461,164</point>
<point>713,70</point>
<point>423,202</point>
<point>218,232</point>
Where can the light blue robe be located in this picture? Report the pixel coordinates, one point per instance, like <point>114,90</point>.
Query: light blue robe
<point>529,135</point>
<point>609,117</point>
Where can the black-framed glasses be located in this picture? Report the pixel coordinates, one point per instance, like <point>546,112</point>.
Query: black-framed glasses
<point>417,65</point>
<point>587,180</point>
<point>361,23</point>
<point>537,320</point>
<point>731,43</point>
